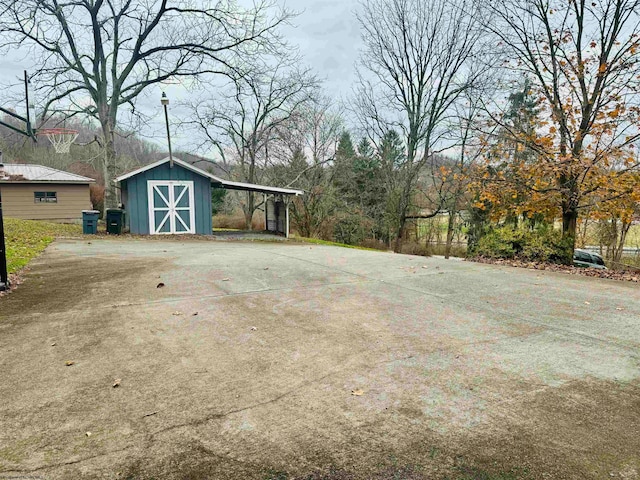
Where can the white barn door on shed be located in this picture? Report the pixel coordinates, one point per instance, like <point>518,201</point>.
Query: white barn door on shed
<point>171,207</point>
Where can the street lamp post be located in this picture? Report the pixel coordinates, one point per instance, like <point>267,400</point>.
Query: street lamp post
<point>165,103</point>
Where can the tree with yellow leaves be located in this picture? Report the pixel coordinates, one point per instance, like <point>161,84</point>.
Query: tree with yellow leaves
<point>581,59</point>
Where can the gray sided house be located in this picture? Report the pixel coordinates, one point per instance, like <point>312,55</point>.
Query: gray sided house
<point>174,197</point>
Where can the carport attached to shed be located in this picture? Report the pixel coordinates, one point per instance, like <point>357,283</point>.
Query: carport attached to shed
<point>174,197</point>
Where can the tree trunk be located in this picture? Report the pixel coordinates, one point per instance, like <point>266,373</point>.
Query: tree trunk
<point>109,167</point>
<point>569,226</point>
<point>571,197</point>
<point>450,228</point>
<point>585,228</point>
<point>398,242</point>
<point>405,200</point>
<point>624,230</point>
<point>248,210</point>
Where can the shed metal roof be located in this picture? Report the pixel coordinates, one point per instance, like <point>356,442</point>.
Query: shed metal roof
<point>25,173</point>
<point>214,179</point>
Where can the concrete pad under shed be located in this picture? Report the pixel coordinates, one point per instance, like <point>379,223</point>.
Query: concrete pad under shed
<point>280,361</point>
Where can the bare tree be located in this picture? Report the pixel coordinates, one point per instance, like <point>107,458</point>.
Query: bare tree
<point>243,119</point>
<point>469,149</point>
<point>305,148</point>
<point>97,56</point>
<point>417,61</point>
<point>582,58</point>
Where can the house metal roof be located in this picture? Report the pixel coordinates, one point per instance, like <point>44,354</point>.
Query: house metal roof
<point>24,173</point>
<point>215,180</point>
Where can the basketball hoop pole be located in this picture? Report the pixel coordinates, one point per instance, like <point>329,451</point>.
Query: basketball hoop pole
<point>26,95</point>
<point>28,128</point>
<point>4,277</point>
<point>28,131</point>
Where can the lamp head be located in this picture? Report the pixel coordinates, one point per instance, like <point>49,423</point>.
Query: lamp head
<point>164,100</point>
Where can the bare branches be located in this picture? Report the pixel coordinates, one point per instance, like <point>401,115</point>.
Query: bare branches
<point>244,116</point>
<point>419,58</point>
<point>97,56</point>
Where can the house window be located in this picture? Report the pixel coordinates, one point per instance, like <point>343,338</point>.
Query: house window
<point>45,197</point>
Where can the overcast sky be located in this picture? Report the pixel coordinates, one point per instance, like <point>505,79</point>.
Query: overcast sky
<point>326,32</point>
<point>329,38</point>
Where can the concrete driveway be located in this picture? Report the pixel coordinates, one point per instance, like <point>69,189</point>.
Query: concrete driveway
<point>280,361</point>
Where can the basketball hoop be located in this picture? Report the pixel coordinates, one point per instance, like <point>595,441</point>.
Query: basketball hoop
<point>60,138</point>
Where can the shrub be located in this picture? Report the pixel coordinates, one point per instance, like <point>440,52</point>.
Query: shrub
<point>374,244</point>
<point>545,245</point>
<point>542,245</point>
<point>96,195</point>
<point>457,250</point>
<point>351,229</point>
<point>414,248</point>
<point>503,242</point>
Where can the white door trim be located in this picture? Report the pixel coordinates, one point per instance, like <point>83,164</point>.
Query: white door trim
<point>170,207</point>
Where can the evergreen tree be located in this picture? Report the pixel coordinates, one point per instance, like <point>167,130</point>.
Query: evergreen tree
<point>391,157</point>
<point>344,170</point>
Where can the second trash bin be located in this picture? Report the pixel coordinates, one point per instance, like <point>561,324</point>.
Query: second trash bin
<point>115,220</point>
<point>90,222</point>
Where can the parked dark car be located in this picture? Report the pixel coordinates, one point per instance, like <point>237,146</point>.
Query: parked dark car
<point>583,258</point>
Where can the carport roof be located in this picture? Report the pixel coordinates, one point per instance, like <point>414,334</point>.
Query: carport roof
<point>214,179</point>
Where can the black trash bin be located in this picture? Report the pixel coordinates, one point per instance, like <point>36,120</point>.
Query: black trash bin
<point>90,222</point>
<point>115,220</point>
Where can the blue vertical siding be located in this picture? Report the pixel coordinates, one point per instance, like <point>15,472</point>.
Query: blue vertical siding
<point>135,191</point>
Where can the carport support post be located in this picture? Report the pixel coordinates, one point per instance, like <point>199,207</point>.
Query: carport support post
<point>266,215</point>
<point>286,215</point>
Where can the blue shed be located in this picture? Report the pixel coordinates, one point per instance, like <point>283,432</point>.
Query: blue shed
<point>174,197</point>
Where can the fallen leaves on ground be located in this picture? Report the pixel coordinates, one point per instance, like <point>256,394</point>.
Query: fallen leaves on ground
<point>160,285</point>
<point>357,392</point>
<point>116,383</point>
<point>177,313</point>
<point>68,363</point>
<point>567,269</point>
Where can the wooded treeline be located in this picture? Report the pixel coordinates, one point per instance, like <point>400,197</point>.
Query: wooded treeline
<point>513,123</point>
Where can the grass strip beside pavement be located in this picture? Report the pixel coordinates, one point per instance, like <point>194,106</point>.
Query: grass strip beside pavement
<point>26,239</point>
<point>317,241</point>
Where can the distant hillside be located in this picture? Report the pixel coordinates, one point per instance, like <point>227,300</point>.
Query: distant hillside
<point>85,158</point>
<point>204,163</point>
